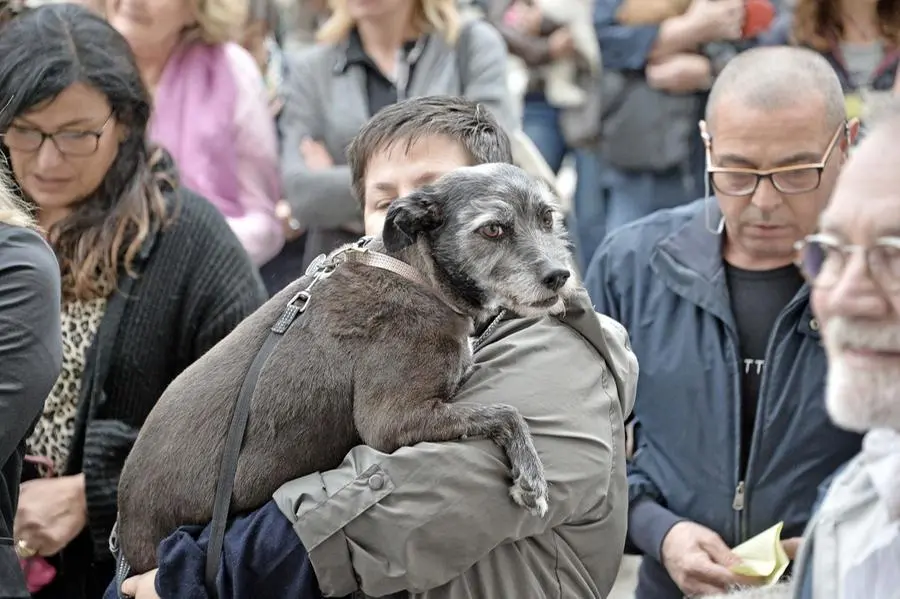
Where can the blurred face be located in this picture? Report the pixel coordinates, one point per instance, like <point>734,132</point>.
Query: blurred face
<point>856,295</point>
<point>150,25</point>
<point>764,220</point>
<point>58,172</point>
<point>393,172</point>
<point>378,10</point>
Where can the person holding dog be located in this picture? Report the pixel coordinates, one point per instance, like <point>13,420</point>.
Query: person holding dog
<point>435,521</point>
<point>730,429</point>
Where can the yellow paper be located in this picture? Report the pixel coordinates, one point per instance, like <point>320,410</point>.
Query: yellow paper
<point>762,556</point>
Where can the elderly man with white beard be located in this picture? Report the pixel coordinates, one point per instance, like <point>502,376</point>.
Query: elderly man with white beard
<point>851,548</point>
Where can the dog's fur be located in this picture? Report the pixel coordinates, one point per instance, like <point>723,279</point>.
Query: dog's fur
<point>374,359</point>
<point>561,76</point>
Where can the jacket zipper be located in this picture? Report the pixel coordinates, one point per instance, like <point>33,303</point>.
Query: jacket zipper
<point>741,491</point>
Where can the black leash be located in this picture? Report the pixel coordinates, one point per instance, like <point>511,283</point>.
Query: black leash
<point>238,427</point>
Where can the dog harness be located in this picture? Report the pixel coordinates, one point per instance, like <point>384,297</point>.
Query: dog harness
<point>320,269</point>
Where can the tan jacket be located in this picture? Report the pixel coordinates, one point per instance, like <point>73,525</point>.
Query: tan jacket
<point>436,519</point>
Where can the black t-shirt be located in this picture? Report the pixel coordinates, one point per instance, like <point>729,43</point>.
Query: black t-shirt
<point>380,90</point>
<point>757,299</point>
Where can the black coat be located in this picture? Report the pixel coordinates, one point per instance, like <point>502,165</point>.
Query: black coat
<point>195,283</point>
<point>30,360</point>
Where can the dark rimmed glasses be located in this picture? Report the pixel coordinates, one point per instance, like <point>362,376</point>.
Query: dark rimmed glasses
<point>794,179</point>
<point>69,143</point>
<point>823,258</point>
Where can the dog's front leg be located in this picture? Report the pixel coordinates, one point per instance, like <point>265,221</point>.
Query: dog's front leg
<point>408,423</point>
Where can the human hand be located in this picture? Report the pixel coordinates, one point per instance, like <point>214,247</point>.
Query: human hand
<point>527,18</point>
<point>561,44</point>
<point>291,226</point>
<point>698,560</point>
<point>142,586</point>
<point>680,73</point>
<point>716,20</point>
<point>51,513</point>
<point>791,546</point>
<point>315,155</point>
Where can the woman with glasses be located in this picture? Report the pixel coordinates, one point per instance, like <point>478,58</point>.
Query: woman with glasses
<point>152,276</point>
<point>30,355</point>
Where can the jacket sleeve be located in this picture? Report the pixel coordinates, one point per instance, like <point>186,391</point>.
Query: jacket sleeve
<point>485,76</point>
<point>318,198</point>
<point>30,336</point>
<point>622,48</point>
<point>258,175</point>
<point>262,558</point>
<point>226,290</point>
<point>420,517</point>
<point>648,519</point>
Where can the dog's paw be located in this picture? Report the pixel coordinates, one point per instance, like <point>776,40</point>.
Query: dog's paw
<point>532,495</point>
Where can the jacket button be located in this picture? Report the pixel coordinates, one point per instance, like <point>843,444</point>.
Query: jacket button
<point>814,324</point>
<point>376,481</point>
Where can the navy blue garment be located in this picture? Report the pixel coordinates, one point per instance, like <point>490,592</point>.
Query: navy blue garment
<point>663,278</point>
<point>262,559</point>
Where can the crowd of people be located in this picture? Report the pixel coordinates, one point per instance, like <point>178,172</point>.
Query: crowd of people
<point>734,365</point>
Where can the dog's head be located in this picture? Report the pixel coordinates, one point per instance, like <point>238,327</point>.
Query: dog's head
<point>494,235</point>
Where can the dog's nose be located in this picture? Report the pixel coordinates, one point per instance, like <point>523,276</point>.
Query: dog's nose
<point>556,278</point>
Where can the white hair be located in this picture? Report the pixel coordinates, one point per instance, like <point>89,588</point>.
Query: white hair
<point>860,399</point>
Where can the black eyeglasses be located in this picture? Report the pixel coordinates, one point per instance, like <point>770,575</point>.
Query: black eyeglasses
<point>795,179</point>
<point>69,143</point>
<point>823,258</point>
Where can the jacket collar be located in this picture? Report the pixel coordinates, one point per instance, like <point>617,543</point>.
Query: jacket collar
<point>689,261</point>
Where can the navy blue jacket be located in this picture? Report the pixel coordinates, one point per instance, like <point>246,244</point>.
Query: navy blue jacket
<point>262,559</point>
<point>663,278</point>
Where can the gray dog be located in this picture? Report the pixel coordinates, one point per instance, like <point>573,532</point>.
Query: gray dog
<point>376,358</point>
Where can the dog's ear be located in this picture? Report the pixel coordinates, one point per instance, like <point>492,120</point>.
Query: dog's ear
<point>409,216</point>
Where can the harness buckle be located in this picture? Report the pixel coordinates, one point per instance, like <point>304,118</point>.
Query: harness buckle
<point>294,308</point>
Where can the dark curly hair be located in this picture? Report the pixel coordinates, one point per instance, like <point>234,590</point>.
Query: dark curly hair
<point>43,52</point>
<point>817,23</point>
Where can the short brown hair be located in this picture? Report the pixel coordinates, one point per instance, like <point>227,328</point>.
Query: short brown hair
<point>470,124</point>
<point>818,23</point>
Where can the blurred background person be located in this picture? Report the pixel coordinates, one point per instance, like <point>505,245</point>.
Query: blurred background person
<point>210,108</point>
<point>861,40</point>
<point>658,73</point>
<point>31,354</point>
<point>373,53</point>
<point>152,276</point>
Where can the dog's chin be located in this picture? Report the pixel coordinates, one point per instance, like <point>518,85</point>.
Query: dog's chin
<point>551,305</point>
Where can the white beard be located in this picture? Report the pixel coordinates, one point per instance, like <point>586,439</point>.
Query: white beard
<point>860,399</point>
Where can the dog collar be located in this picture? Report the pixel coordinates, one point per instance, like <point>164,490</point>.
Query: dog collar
<point>363,255</point>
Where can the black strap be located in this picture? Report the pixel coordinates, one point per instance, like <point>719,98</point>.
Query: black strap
<point>235,438</point>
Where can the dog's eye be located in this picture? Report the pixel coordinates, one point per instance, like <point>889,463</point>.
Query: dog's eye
<point>492,231</point>
<point>547,219</point>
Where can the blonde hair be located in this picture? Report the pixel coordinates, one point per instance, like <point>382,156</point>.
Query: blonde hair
<point>12,209</point>
<point>440,16</point>
<point>218,21</point>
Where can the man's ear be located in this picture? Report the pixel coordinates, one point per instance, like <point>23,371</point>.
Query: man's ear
<point>409,216</point>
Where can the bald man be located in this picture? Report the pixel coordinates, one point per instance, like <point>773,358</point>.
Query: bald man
<point>731,435</point>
